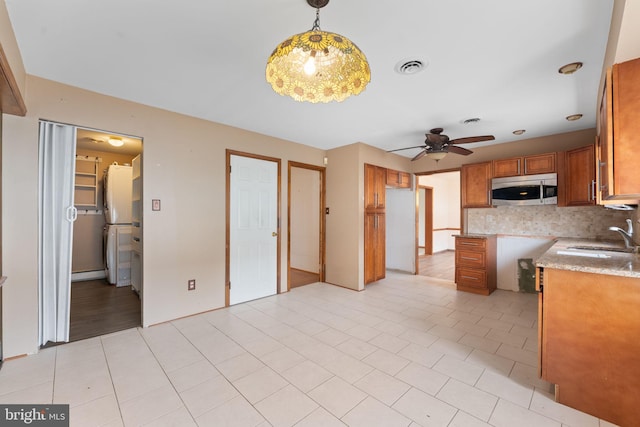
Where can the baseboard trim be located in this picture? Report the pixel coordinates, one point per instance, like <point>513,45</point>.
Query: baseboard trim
<point>88,275</point>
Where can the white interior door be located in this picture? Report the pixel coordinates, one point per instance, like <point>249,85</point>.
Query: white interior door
<point>57,149</point>
<point>253,228</point>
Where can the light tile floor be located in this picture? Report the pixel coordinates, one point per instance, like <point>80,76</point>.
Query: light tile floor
<point>408,351</point>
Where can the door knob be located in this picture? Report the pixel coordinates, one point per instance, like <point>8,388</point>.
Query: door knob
<point>274,234</point>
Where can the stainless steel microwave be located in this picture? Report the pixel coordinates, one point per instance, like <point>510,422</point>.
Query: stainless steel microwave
<point>525,190</point>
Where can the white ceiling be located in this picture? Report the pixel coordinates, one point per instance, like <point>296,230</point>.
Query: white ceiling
<point>496,60</point>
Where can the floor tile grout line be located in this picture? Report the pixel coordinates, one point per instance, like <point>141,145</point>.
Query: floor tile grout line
<point>113,386</point>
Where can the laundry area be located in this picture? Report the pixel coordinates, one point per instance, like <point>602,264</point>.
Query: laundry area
<point>106,266</point>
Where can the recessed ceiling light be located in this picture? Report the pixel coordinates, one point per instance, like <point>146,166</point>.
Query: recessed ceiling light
<point>570,68</point>
<point>410,66</point>
<point>519,132</point>
<point>574,117</point>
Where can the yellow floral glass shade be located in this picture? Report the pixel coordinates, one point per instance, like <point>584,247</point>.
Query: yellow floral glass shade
<point>318,66</point>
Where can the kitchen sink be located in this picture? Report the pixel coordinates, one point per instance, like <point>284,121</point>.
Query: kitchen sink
<point>589,253</point>
<point>602,248</point>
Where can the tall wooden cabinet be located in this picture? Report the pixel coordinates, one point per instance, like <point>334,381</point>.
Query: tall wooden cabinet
<point>374,223</point>
<point>619,135</point>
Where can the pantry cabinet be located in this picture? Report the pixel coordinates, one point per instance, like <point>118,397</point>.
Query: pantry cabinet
<point>375,178</point>
<point>619,135</point>
<point>475,182</point>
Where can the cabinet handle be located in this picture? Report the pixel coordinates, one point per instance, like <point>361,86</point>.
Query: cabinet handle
<point>470,277</point>
<point>468,257</point>
<point>375,199</point>
<point>519,172</point>
<point>375,221</point>
<point>593,189</point>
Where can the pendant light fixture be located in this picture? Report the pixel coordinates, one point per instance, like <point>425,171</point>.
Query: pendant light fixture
<point>318,66</point>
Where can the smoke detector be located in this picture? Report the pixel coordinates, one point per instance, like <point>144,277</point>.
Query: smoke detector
<point>410,66</point>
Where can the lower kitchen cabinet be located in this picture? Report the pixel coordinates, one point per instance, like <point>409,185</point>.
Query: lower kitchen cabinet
<point>588,341</point>
<point>476,264</point>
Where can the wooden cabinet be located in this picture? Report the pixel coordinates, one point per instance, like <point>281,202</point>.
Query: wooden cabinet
<point>588,344</point>
<point>619,135</point>
<point>397,179</point>
<point>476,264</point>
<point>576,177</point>
<point>527,165</point>
<point>374,247</point>
<point>475,182</point>
<point>375,179</point>
<point>374,223</point>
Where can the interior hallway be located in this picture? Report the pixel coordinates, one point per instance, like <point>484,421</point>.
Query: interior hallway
<point>401,353</point>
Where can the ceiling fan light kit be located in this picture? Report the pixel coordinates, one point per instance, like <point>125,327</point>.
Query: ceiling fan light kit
<point>318,66</point>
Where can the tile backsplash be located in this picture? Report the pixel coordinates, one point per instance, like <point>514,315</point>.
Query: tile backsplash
<point>590,222</point>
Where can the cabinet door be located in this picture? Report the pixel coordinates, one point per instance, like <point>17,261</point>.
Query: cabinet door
<point>542,163</point>
<point>580,176</point>
<point>475,180</point>
<point>398,179</point>
<point>374,247</point>
<point>507,167</point>
<point>375,179</point>
<point>626,128</point>
<point>605,138</point>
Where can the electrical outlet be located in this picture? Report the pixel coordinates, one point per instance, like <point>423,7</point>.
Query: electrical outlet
<point>191,284</point>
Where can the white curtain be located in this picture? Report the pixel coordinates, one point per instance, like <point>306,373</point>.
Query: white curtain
<point>57,151</point>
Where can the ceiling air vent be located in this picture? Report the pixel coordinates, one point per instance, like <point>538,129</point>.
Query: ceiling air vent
<point>410,66</point>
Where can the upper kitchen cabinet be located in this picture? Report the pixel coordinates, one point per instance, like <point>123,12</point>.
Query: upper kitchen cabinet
<point>375,179</point>
<point>619,135</point>
<point>577,177</point>
<point>475,182</point>
<point>527,165</point>
<point>397,179</point>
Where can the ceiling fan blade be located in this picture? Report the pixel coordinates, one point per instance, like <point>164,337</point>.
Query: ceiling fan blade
<point>459,150</point>
<point>419,155</point>
<point>472,139</point>
<point>406,148</point>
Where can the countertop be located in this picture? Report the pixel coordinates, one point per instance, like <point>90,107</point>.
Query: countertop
<point>563,255</point>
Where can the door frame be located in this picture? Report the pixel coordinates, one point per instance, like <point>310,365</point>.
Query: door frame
<point>227,279</point>
<point>322,216</point>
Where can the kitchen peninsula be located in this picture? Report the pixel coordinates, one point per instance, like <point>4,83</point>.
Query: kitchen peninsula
<point>589,327</point>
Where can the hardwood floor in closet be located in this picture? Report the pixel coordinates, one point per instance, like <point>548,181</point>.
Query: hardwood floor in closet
<point>98,308</point>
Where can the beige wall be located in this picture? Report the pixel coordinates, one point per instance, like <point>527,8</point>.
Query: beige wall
<point>10,48</point>
<point>184,167</point>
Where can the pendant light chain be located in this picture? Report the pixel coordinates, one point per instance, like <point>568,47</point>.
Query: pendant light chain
<point>316,23</point>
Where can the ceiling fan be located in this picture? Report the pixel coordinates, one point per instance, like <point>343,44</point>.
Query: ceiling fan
<point>437,145</point>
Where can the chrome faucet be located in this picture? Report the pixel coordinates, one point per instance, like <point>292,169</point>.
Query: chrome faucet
<point>626,235</point>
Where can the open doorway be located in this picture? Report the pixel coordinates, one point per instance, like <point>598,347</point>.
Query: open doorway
<point>106,278</point>
<point>438,220</point>
<point>306,205</point>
